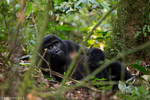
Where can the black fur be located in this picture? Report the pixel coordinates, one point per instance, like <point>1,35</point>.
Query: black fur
<point>59,56</point>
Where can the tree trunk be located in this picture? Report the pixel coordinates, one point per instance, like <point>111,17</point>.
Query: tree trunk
<point>131,29</point>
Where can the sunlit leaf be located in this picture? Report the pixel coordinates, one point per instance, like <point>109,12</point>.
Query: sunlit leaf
<point>64,27</point>
<point>93,1</point>
<point>26,56</point>
<point>29,9</point>
<point>122,86</point>
<point>78,3</point>
<point>24,64</point>
<point>86,2</point>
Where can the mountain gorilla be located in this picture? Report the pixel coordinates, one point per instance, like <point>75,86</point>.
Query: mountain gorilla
<point>59,57</point>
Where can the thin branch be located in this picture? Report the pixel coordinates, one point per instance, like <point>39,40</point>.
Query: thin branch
<point>42,59</point>
<point>26,7</point>
<point>80,61</point>
<point>35,26</point>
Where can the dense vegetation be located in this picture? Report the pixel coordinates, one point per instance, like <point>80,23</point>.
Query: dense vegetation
<point>119,27</point>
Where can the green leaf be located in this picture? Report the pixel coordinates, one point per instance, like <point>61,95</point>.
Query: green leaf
<point>93,1</point>
<point>140,68</point>
<point>104,33</point>
<point>86,2</point>
<point>122,86</point>
<point>29,9</point>
<point>58,2</point>
<point>105,6</point>
<point>137,34</point>
<point>107,37</point>
<point>142,90</point>
<point>64,28</point>
<point>26,56</point>
<point>148,28</point>
<point>78,3</point>
<point>24,64</point>
<point>100,39</point>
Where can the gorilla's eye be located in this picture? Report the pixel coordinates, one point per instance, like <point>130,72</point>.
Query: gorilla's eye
<point>50,47</point>
<point>55,43</point>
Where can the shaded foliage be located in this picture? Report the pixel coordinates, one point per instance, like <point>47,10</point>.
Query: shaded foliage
<point>24,22</point>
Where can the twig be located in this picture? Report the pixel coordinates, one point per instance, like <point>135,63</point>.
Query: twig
<point>91,47</point>
<point>26,7</point>
<point>71,79</point>
<point>36,29</point>
<point>42,59</point>
<point>57,74</point>
<point>80,61</point>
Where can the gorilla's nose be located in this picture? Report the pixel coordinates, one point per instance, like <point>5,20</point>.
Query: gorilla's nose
<point>57,51</point>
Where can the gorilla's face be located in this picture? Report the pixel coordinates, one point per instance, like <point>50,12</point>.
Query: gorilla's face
<point>56,49</point>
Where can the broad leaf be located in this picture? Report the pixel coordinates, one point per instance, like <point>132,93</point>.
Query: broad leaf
<point>105,6</point>
<point>140,68</point>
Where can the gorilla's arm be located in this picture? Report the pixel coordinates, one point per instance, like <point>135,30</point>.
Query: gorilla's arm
<point>118,72</point>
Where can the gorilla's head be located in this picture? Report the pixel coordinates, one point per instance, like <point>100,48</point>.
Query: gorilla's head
<point>56,50</point>
<point>95,57</point>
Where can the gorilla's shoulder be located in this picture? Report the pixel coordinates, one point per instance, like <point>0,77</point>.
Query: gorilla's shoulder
<point>72,45</point>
